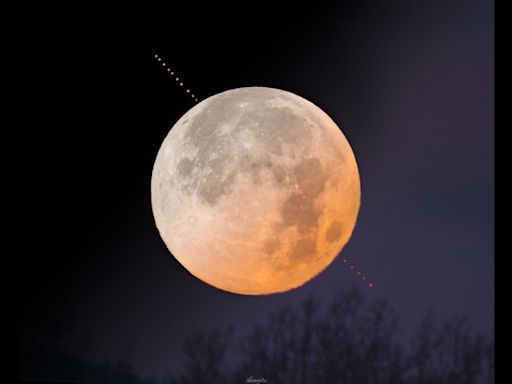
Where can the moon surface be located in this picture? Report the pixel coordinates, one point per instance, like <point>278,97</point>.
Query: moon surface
<point>255,190</point>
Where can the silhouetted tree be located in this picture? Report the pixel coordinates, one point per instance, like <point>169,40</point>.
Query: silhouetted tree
<point>450,353</point>
<point>349,342</point>
<point>205,355</point>
<point>283,348</point>
<point>489,362</point>
<point>357,342</point>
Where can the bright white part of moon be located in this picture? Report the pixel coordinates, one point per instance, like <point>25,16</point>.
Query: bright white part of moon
<point>255,190</point>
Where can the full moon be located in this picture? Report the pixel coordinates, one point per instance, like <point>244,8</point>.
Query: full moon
<point>255,191</point>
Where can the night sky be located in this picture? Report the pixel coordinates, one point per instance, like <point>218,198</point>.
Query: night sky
<point>411,84</point>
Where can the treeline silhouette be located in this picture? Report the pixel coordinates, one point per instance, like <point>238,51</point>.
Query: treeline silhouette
<point>349,341</point>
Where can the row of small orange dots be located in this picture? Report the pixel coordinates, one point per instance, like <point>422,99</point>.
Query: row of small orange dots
<point>359,274</point>
<point>172,73</point>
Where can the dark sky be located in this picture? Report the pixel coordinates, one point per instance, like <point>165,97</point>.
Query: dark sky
<point>411,84</point>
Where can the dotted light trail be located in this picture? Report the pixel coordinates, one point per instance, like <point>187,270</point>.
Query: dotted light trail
<point>180,83</point>
<point>176,78</point>
<point>359,274</point>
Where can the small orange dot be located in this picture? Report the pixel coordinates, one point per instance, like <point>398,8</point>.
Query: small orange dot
<point>370,285</point>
